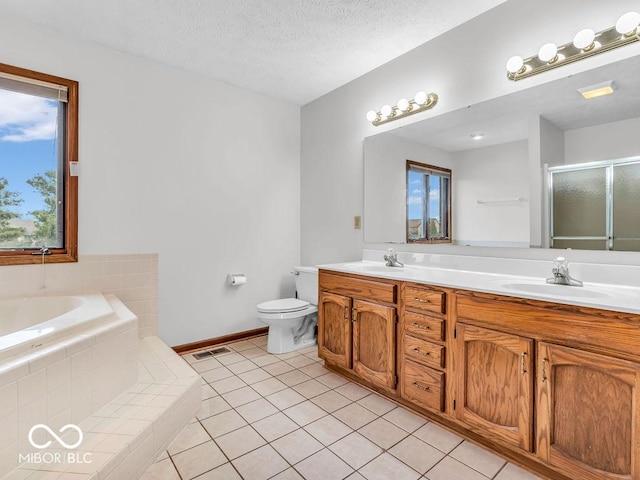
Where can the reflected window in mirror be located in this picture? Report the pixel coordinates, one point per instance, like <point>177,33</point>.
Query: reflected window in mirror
<point>594,205</point>
<point>428,203</point>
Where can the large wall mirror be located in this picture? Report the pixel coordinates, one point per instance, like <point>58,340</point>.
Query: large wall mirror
<point>500,153</point>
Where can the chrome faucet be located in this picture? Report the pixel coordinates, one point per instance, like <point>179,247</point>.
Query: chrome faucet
<point>392,259</point>
<point>561,274</point>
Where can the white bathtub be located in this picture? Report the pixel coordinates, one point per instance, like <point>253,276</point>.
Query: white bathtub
<point>30,323</point>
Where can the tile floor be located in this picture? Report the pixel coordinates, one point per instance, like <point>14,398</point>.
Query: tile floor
<point>286,417</point>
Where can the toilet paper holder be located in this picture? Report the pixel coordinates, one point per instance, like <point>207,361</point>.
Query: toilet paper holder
<point>236,279</point>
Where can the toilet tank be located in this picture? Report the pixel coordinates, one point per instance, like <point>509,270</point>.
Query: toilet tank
<point>307,283</point>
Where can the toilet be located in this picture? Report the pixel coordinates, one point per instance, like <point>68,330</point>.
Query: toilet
<point>292,321</point>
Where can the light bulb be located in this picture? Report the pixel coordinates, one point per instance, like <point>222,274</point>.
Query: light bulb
<point>548,53</point>
<point>371,115</point>
<point>386,110</point>
<point>515,64</point>
<point>421,98</point>
<point>584,39</point>
<point>403,104</point>
<point>628,23</point>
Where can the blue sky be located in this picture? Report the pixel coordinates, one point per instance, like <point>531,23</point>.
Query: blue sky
<point>27,144</point>
<point>415,197</point>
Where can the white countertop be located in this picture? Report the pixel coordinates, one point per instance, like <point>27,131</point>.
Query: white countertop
<point>621,298</point>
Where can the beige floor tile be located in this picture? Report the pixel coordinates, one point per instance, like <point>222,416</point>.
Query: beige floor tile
<point>192,435</point>
<point>376,404</point>
<point>254,376</point>
<point>253,352</point>
<point>355,416</point>
<point>314,370</point>
<point>162,470</point>
<point>438,437</point>
<point>353,391</point>
<point>216,374</point>
<point>511,472</point>
<point>324,465</point>
<point>204,365</point>
<point>417,454</point>
<point>478,458</point>
<point>300,361</point>
<point>278,368</point>
<point>198,460</point>
<point>242,367</point>
<point>356,450</point>
<point>405,419</point>
<point>239,442</point>
<point>294,377</point>
<point>288,474</point>
<point>311,388</point>
<point>227,384</point>
<point>222,423</point>
<point>256,410</point>
<point>265,359</point>
<point>387,467</point>
<point>229,358</point>
<point>285,398</point>
<point>355,476</point>
<point>328,429</point>
<point>297,446</point>
<point>207,392</point>
<point>449,468</point>
<point>260,464</point>
<point>238,397</point>
<point>275,426</point>
<point>242,346</point>
<point>332,380</point>
<point>260,341</point>
<point>383,433</point>
<point>223,472</point>
<point>304,413</point>
<point>331,401</point>
<point>212,406</point>
<point>269,386</point>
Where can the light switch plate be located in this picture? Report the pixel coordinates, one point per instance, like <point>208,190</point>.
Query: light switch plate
<point>357,222</point>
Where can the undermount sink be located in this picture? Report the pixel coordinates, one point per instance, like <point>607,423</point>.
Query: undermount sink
<point>556,290</point>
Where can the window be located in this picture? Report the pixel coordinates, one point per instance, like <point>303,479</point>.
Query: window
<point>428,203</point>
<point>38,147</point>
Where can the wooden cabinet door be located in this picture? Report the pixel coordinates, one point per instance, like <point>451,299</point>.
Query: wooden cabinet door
<point>334,329</point>
<point>588,413</point>
<point>494,383</point>
<point>374,343</point>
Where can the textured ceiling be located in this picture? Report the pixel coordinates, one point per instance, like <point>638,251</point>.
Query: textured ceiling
<point>290,50</point>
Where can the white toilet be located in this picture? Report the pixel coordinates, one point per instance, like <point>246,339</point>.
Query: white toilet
<point>292,321</point>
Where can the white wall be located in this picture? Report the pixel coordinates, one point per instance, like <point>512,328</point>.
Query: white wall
<point>493,175</point>
<point>202,173</point>
<point>603,142</point>
<point>464,67</point>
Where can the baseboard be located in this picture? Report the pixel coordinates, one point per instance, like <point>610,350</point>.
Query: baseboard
<point>234,337</point>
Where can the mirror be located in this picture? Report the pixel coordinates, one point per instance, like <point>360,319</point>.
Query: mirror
<point>499,179</point>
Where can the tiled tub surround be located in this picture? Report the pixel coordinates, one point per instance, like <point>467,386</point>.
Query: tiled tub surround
<point>132,278</point>
<point>614,287</point>
<point>66,381</point>
<point>286,417</point>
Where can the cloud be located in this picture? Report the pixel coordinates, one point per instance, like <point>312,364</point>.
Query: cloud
<point>414,201</point>
<point>26,117</point>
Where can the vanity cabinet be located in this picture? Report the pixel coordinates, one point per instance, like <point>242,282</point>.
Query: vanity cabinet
<point>357,326</point>
<point>495,383</point>
<point>588,413</point>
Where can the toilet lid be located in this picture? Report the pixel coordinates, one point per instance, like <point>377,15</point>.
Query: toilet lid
<point>284,305</point>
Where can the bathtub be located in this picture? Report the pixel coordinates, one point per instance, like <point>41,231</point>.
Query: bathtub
<point>30,323</point>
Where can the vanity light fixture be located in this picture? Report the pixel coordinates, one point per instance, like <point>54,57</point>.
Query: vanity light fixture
<point>421,102</point>
<point>586,43</point>
<point>598,90</point>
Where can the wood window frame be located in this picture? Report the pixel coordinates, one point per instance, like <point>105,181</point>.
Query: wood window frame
<point>69,251</point>
<point>448,213</point>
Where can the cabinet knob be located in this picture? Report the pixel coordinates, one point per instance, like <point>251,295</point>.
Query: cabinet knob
<point>420,325</point>
<point>421,300</point>
<point>421,387</point>
<point>420,352</point>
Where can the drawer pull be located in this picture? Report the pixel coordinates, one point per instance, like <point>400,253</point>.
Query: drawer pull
<point>421,300</point>
<point>420,325</point>
<point>420,352</point>
<point>421,387</point>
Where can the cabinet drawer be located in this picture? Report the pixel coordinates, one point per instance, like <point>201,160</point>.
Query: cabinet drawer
<point>423,386</point>
<point>425,300</point>
<point>424,327</point>
<point>424,352</point>
<point>358,287</point>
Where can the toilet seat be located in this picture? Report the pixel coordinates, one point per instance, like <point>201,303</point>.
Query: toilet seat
<point>283,305</point>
